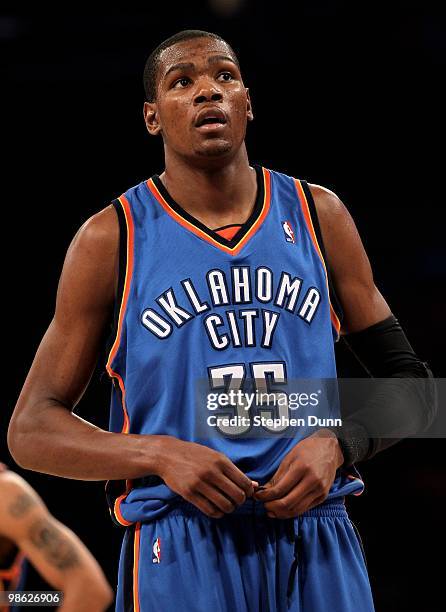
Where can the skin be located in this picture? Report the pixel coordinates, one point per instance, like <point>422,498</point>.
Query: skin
<point>208,173</point>
<point>56,553</point>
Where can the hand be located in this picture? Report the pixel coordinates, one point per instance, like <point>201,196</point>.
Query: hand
<point>204,477</point>
<point>304,477</point>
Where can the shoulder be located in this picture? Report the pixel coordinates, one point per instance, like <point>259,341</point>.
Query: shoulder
<point>91,263</point>
<point>93,254</point>
<point>99,233</point>
<point>334,218</point>
<point>328,204</point>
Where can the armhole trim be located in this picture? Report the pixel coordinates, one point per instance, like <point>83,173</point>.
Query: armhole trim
<point>126,241</point>
<point>312,221</point>
<point>122,265</point>
<point>125,274</point>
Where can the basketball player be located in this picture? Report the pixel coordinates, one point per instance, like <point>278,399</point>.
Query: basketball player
<point>28,531</point>
<point>223,271</point>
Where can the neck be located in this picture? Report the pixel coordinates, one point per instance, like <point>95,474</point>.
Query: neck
<point>216,196</point>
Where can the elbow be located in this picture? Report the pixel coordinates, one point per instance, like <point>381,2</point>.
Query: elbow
<point>101,597</point>
<point>108,596</point>
<point>14,440</point>
<point>21,440</point>
<point>89,594</point>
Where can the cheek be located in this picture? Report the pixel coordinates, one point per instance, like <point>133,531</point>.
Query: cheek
<point>240,106</point>
<point>176,115</point>
<point>240,118</point>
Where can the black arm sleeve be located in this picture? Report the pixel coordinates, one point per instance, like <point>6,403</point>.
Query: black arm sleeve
<point>402,403</point>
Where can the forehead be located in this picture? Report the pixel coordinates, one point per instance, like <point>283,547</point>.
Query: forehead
<point>194,50</point>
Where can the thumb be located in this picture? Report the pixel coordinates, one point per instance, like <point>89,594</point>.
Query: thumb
<point>283,468</point>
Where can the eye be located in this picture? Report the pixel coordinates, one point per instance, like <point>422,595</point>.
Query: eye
<point>225,76</point>
<point>180,83</point>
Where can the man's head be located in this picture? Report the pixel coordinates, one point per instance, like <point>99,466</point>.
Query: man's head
<point>195,96</point>
<point>152,64</point>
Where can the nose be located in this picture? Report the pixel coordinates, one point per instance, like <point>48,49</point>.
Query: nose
<point>207,91</point>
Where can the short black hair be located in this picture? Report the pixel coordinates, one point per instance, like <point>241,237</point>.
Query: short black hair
<point>152,63</point>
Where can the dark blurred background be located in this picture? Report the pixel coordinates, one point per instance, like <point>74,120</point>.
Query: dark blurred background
<point>348,95</point>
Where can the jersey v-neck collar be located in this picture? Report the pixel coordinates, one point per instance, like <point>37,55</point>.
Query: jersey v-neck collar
<point>189,222</point>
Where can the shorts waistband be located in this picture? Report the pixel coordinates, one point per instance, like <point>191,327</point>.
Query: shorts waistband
<point>334,507</point>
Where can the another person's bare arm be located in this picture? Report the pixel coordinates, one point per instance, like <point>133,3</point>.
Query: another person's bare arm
<point>44,433</point>
<point>55,551</point>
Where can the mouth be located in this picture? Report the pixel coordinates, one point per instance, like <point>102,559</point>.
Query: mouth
<point>211,120</point>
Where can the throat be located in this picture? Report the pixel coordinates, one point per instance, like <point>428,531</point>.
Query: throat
<point>225,227</point>
<point>217,200</point>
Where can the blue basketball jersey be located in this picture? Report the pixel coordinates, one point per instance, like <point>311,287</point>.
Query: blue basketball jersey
<point>198,309</point>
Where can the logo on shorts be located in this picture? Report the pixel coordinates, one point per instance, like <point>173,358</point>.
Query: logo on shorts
<point>288,231</point>
<point>156,549</point>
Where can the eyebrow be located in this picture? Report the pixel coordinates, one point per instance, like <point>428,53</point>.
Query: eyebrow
<point>218,58</point>
<point>181,66</point>
<point>214,59</point>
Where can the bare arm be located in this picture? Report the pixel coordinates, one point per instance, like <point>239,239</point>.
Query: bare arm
<point>362,303</point>
<point>306,474</point>
<point>406,403</point>
<point>56,553</point>
<point>46,436</point>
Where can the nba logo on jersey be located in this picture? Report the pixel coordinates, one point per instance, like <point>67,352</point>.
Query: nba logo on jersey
<point>288,231</point>
<point>156,551</point>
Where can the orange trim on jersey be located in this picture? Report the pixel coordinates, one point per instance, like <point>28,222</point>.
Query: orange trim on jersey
<point>307,216</point>
<point>125,295</point>
<point>117,505</point>
<point>228,232</point>
<point>201,234</point>
<point>12,576</point>
<point>136,567</point>
<point>361,481</point>
<point>13,573</point>
<point>122,309</point>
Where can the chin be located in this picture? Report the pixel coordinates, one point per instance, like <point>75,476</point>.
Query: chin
<point>214,148</point>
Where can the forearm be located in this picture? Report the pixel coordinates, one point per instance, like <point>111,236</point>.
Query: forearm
<point>56,441</point>
<point>402,402</point>
<point>397,409</point>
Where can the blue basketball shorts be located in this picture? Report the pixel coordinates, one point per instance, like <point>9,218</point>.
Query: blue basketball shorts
<point>244,562</point>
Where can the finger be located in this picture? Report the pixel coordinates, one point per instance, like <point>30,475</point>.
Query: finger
<point>206,506</point>
<point>238,477</point>
<point>312,500</point>
<point>291,507</point>
<point>288,502</point>
<point>282,487</point>
<point>278,475</point>
<point>217,498</point>
<point>303,488</point>
<point>229,489</point>
<point>284,467</point>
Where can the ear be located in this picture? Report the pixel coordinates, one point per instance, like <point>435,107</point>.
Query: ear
<point>151,118</point>
<point>249,113</point>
